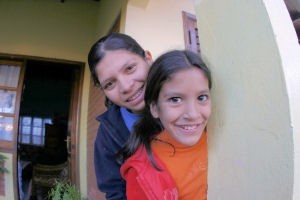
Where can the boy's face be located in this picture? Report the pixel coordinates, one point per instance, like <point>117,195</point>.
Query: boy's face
<point>184,105</point>
<point>122,75</point>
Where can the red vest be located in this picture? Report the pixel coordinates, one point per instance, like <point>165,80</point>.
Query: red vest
<point>157,185</point>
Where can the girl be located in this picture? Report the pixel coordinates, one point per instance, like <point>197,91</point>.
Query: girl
<point>167,154</point>
<point>118,65</point>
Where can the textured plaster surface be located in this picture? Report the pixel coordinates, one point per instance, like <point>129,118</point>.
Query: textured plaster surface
<point>252,132</point>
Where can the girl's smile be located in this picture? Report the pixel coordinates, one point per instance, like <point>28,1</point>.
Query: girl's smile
<point>188,129</point>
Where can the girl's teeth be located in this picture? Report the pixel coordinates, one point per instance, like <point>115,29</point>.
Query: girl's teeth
<point>189,127</point>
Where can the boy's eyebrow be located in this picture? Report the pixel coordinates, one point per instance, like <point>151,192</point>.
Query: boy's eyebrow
<point>130,61</point>
<point>103,82</point>
<point>125,65</point>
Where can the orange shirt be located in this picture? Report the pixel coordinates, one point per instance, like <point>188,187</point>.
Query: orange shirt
<point>187,165</point>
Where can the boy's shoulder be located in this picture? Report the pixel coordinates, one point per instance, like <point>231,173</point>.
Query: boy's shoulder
<point>112,113</point>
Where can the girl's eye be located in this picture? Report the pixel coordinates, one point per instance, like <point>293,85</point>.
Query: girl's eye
<point>203,98</point>
<point>175,99</point>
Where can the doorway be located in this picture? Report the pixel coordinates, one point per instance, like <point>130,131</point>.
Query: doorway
<point>47,130</point>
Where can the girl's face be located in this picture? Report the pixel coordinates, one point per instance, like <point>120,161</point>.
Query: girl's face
<point>122,75</point>
<point>184,105</point>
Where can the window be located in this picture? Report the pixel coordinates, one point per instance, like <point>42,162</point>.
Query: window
<point>32,130</point>
<point>191,37</point>
<point>10,72</point>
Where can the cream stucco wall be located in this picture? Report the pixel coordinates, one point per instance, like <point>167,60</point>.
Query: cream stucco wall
<point>47,28</point>
<point>108,11</point>
<point>252,49</point>
<point>157,25</point>
<point>289,51</point>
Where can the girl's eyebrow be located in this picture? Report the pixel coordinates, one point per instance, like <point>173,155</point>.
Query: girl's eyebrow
<point>174,93</point>
<point>205,91</point>
<point>171,93</point>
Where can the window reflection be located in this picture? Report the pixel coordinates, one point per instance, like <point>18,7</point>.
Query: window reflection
<point>9,75</point>
<point>7,101</point>
<point>6,128</point>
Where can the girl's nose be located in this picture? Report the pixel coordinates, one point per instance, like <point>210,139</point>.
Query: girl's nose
<point>192,110</point>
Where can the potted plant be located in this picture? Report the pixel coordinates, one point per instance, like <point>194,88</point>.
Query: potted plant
<point>64,191</point>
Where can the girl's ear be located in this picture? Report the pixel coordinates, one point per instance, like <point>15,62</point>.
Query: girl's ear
<point>154,110</point>
<point>148,57</point>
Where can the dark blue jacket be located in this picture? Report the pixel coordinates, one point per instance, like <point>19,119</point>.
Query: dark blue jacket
<point>111,137</point>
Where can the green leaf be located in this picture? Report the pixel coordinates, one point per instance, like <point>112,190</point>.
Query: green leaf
<point>64,191</point>
<point>2,160</point>
<point>3,169</point>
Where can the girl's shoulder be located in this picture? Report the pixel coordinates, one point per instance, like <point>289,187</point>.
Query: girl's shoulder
<point>156,183</point>
<point>138,161</point>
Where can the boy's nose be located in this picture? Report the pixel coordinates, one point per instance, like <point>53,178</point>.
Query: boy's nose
<point>125,85</point>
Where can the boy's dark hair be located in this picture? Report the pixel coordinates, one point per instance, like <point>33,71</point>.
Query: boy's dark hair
<point>113,41</point>
<point>161,71</point>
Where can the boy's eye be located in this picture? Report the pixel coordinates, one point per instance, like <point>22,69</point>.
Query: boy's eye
<point>175,99</point>
<point>108,85</point>
<point>130,68</point>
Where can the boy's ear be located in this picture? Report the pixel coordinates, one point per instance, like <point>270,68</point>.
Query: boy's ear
<point>148,57</point>
<point>154,110</point>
